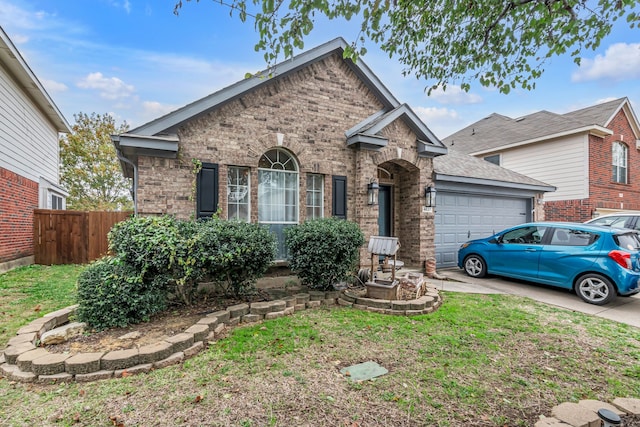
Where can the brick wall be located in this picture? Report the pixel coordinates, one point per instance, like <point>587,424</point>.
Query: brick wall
<point>18,199</point>
<point>312,108</point>
<point>603,192</point>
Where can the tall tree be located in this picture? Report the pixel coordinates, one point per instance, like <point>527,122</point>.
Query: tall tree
<point>498,43</point>
<point>90,169</point>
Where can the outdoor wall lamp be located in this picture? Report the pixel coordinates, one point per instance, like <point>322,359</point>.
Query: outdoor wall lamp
<point>372,192</point>
<point>430,197</point>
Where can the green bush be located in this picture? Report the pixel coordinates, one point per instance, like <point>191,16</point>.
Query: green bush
<point>232,253</point>
<point>113,294</point>
<point>151,245</point>
<point>324,251</point>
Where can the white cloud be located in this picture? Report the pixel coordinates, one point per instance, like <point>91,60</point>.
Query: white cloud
<point>155,109</point>
<point>621,61</point>
<point>441,121</point>
<point>109,87</point>
<point>454,95</point>
<point>53,86</point>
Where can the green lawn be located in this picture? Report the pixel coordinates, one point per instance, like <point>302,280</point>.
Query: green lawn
<point>480,360</point>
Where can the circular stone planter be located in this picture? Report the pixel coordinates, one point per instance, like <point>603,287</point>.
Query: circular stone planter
<point>23,361</point>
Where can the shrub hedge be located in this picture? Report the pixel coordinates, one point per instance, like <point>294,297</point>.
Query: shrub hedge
<point>324,252</point>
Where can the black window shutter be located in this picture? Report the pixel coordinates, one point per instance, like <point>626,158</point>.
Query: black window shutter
<point>207,190</point>
<point>339,203</point>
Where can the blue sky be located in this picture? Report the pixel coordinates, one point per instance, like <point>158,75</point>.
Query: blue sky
<point>137,61</point>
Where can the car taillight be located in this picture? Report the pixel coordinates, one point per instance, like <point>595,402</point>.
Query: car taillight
<point>621,257</point>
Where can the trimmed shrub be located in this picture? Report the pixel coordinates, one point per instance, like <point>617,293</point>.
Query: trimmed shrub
<point>113,294</point>
<point>232,253</point>
<point>324,251</point>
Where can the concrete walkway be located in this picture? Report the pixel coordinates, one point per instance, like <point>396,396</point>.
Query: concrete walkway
<point>622,309</point>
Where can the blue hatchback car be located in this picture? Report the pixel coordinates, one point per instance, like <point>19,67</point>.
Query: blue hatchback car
<point>597,262</point>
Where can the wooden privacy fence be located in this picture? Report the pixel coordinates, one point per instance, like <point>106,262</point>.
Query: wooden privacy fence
<point>72,237</point>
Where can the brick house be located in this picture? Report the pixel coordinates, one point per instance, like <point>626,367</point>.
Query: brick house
<point>591,155</point>
<point>29,172</point>
<point>308,142</point>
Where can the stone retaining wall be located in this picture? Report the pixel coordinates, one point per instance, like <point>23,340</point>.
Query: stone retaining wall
<point>23,361</point>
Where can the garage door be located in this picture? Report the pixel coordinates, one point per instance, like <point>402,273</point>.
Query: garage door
<point>461,217</point>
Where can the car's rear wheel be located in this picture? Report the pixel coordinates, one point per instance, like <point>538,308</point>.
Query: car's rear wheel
<point>475,266</point>
<point>595,289</point>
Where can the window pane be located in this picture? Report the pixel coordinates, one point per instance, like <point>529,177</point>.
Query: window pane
<point>238,194</point>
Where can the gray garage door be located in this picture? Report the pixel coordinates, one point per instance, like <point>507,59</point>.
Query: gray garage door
<point>461,217</point>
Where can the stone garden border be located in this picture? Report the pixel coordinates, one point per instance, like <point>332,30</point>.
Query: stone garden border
<point>23,361</point>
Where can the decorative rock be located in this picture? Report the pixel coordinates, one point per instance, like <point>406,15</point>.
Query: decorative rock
<point>62,315</point>
<point>39,326</point>
<point>400,305</point>
<point>274,315</point>
<point>334,295</point>
<point>119,359</point>
<point>376,303</point>
<point>289,311</point>
<point>267,307</point>
<point>300,307</point>
<point>290,301</point>
<point>55,378</point>
<point>134,370</point>
<point>252,318</point>
<point>154,352</point>
<point>316,295</point>
<point>22,376</point>
<point>238,310</point>
<point>49,364</point>
<point>63,333</point>
<point>344,303</point>
<point>629,405</point>
<point>83,363</point>
<point>219,330</point>
<point>23,338</point>
<point>12,352</point>
<point>174,359</point>
<point>595,405</point>
<point>314,304</point>
<point>222,315</point>
<point>550,422</point>
<point>130,336</point>
<point>210,322</point>
<point>25,359</point>
<point>180,341</point>
<point>348,297</point>
<point>94,376</point>
<point>575,415</point>
<point>199,332</point>
<point>194,349</point>
<point>234,321</point>
<point>302,298</point>
<point>7,369</point>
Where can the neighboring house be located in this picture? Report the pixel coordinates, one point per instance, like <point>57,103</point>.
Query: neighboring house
<point>477,199</point>
<point>592,155</point>
<point>29,127</point>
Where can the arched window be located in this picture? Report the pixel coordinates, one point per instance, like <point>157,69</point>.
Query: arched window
<point>278,187</point>
<point>619,162</point>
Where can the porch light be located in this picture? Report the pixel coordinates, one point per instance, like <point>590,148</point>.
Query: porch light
<point>430,197</point>
<point>372,192</point>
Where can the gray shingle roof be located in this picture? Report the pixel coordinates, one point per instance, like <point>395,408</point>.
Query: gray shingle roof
<point>497,130</point>
<point>463,165</point>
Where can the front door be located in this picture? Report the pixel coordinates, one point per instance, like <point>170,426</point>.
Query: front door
<point>384,211</point>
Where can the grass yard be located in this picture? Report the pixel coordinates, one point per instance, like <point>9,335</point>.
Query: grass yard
<point>480,360</point>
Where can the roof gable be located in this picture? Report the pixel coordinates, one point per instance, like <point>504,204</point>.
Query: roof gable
<point>169,123</point>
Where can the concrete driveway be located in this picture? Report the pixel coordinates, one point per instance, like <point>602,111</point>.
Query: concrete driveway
<point>622,309</point>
